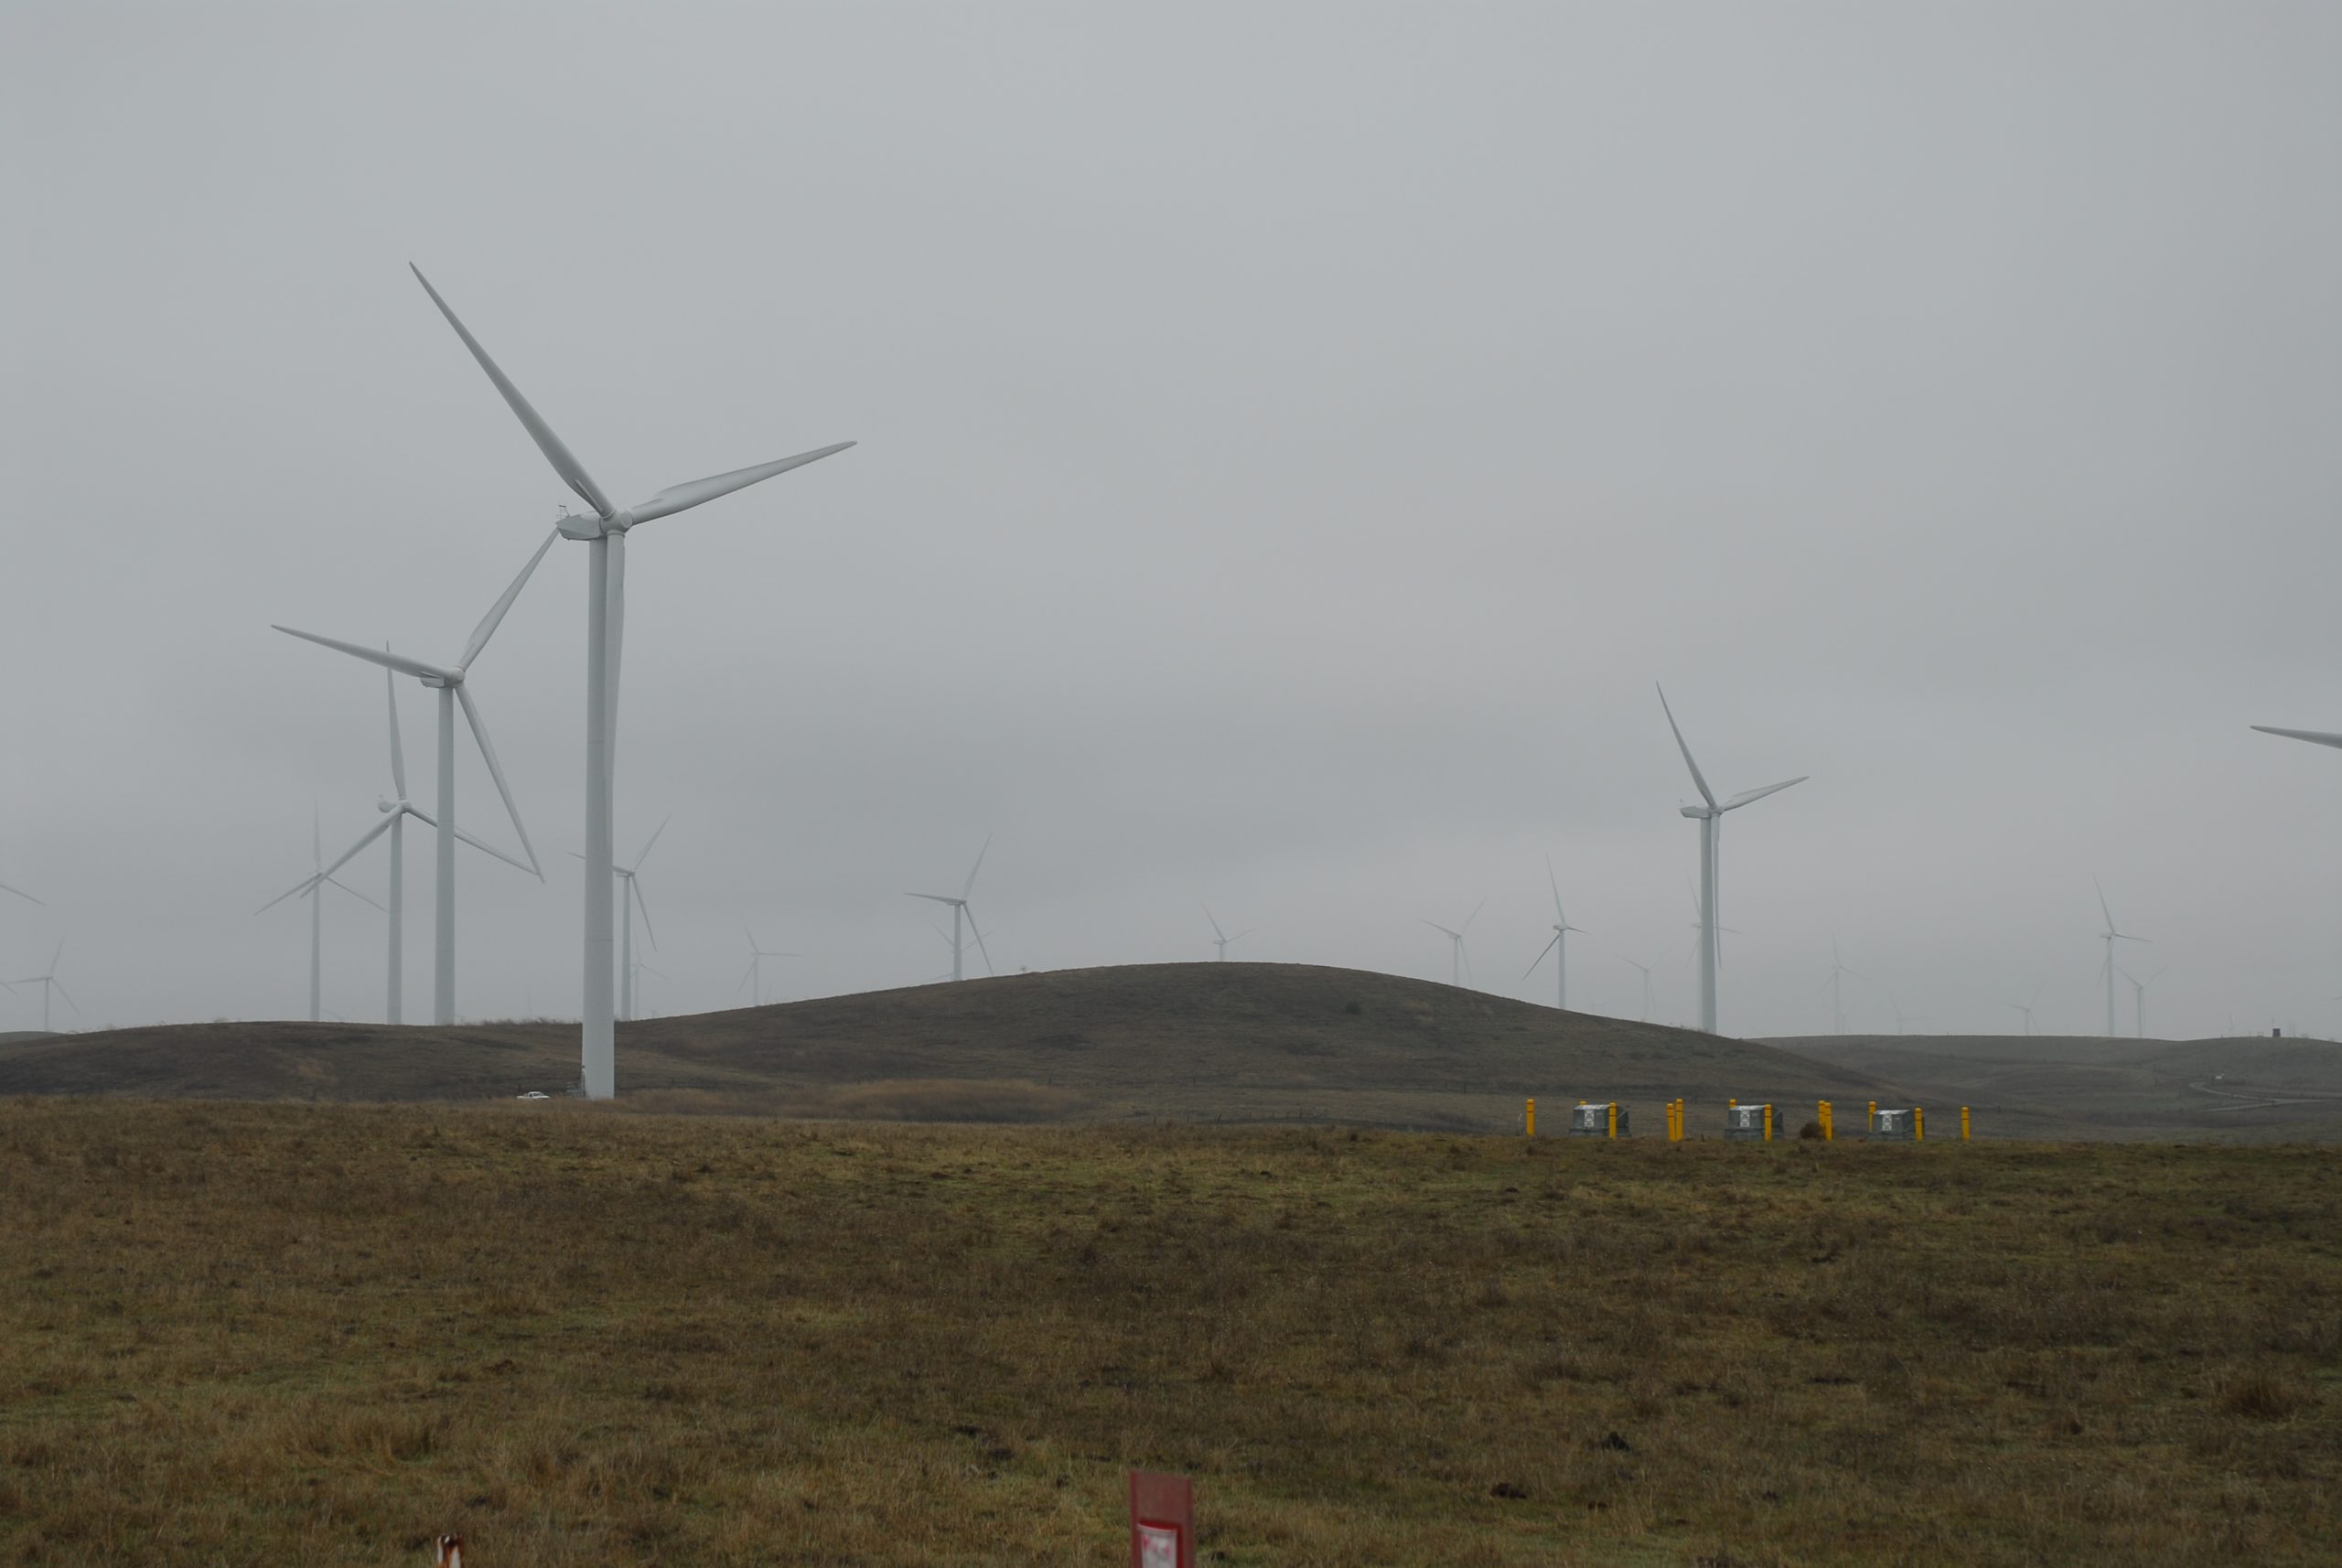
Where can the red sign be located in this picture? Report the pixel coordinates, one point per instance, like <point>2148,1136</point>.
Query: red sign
<point>1163,1520</point>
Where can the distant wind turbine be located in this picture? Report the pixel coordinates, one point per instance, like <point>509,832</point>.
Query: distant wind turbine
<point>2139,997</point>
<point>1558,947</point>
<point>2111,936</point>
<point>630,900</point>
<point>605,530</point>
<point>959,907</point>
<point>308,888</point>
<point>2026,1009</point>
<point>754,981</point>
<point>1899,1019</point>
<point>1645,1014</point>
<point>450,683</point>
<point>48,983</point>
<point>1837,1007</point>
<point>1710,816</point>
<point>1458,966</point>
<point>1221,940</point>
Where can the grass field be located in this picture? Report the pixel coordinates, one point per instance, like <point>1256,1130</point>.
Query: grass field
<point>316,1335</point>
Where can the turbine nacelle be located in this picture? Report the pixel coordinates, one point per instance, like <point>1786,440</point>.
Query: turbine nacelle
<point>586,526</point>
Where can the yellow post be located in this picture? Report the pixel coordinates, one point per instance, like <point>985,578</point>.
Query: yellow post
<point>1822,1114</point>
<point>1678,1134</point>
<point>1769,1123</point>
<point>1730,1103</point>
<point>1614,1119</point>
<point>1870,1127</point>
<point>1963,1124</point>
<point>1529,1118</point>
<point>1918,1124</point>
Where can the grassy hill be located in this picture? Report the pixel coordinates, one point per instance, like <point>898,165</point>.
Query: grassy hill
<point>1239,1041</point>
<point>2054,1086</point>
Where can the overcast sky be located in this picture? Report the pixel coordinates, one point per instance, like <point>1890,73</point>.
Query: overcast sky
<point>1295,439</point>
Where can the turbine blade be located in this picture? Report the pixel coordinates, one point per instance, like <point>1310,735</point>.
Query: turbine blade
<point>353,892</point>
<point>2315,736</point>
<point>572,471</point>
<point>1215,925</point>
<point>935,897</point>
<point>1474,915</point>
<point>980,936</point>
<point>1242,935</point>
<point>1442,931</point>
<point>67,994</point>
<point>21,894</point>
<point>296,890</point>
<point>2101,904</point>
<point>971,886</point>
<point>496,771</point>
<point>383,657</point>
<point>1556,887</point>
<point>398,751</point>
<point>377,831</point>
<point>1706,793</point>
<point>654,839</point>
<point>682,497</point>
<point>648,930</point>
<point>495,616</point>
<point>483,846</point>
<point>1745,796</point>
<point>1541,957</point>
<point>747,975</point>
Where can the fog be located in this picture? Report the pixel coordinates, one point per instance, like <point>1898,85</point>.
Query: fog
<point>1294,440</point>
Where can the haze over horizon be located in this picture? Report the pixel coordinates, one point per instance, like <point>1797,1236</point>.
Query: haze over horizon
<point>1292,443</point>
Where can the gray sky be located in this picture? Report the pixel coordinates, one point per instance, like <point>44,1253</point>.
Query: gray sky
<point>1295,438</point>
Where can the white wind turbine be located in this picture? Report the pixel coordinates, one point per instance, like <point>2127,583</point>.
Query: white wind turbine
<point>959,907</point>
<point>606,532</point>
<point>2111,936</point>
<point>1221,940</point>
<point>2026,1009</point>
<point>1558,947</point>
<point>1458,966</point>
<point>1645,1014</point>
<point>395,813</point>
<point>1900,1020</point>
<point>628,902</point>
<point>48,983</point>
<point>450,683</point>
<point>2139,997</point>
<point>308,888</point>
<point>1709,817</point>
<point>1837,1007</point>
<point>754,981</point>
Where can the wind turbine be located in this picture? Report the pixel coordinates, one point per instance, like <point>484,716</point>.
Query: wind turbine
<point>1899,1019</point>
<point>2110,937</point>
<point>630,901</point>
<point>605,530</point>
<point>1645,1014</point>
<point>449,681</point>
<point>1558,947</point>
<point>308,888</point>
<point>960,907</point>
<point>1458,966</point>
<point>47,983</point>
<point>644,969</point>
<point>754,981</point>
<point>1221,939</point>
<point>1837,1009</point>
<point>2139,996</point>
<point>2027,1010</point>
<point>395,813</point>
<point>1709,817</point>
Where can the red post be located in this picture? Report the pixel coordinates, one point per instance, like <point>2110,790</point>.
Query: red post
<point>1163,1520</point>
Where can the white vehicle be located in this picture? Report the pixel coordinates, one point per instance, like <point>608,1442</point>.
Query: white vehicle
<point>534,1094</point>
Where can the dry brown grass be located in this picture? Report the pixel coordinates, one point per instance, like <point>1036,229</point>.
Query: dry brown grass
<point>319,1335</point>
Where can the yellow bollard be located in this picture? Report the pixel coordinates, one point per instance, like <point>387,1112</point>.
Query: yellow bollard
<point>1963,1124</point>
<point>1822,1115</point>
<point>1614,1119</point>
<point>1769,1123</point>
<point>1528,1119</point>
<point>1918,1124</point>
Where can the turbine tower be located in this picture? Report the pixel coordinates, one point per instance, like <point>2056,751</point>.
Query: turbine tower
<point>1558,947</point>
<point>49,983</point>
<point>1709,817</point>
<point>450,683</point>
<point>309,888</point>
<point>960,907</point>
<point>754,981</point>
<point>1458,966</point>
<point>2111,936</point>
<point>605,530</point>
<point>1221,940</point>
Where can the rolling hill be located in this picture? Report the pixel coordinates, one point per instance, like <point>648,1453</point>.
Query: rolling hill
<point>1238,1042</point>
